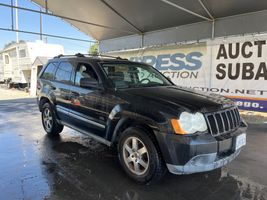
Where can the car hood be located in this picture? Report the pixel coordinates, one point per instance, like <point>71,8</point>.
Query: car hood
<point>177,98</point>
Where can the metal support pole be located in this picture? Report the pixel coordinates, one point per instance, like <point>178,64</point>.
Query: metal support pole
<point>12,14</point>
<point>121,16</point>
<point>17,21</point>
<point>41,26</point>
<point>47,35</point>
<point>186,10</point>
<point>142,40</point>
<point>205,8</point>
<point>213,29</point>
<point>46,6</point>
<point>17,39</point>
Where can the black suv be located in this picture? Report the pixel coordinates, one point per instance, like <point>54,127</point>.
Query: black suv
<point>154,124</point>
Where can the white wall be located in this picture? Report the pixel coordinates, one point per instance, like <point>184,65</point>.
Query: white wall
<point>41,49</point>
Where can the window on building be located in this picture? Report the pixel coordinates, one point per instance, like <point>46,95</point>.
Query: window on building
<point>22,53</point>
<point>6,59</point>
<point>13,53</point>
<point>63,73</point>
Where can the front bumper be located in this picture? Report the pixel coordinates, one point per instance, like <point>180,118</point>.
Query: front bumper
<point>202,163</point>
<point>199,153</point>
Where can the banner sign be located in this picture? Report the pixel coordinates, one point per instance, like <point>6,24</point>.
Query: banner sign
<point>233,67</point>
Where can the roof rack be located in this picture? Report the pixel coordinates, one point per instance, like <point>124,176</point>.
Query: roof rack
<point>90,55</point>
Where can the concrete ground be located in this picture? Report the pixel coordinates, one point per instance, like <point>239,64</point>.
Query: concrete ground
<point>34,166</point>
<point>6,93</point>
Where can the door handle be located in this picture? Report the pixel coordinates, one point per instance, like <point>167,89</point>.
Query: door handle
<point>52,87</point>
<point>74,98</point>
<point>75,94</point>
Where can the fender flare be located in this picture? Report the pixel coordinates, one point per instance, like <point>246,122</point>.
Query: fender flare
<point>136,120</point>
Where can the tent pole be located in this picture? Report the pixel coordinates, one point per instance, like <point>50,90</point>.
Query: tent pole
<point>186,10</point>
<point>205,8</point>
<point>121,16</point>
<point>213,29</point>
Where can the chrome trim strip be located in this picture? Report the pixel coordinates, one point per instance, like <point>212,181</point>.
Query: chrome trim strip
<point>93,136</point>
<point>60,109</point>
<point>87,120</point>
<point>64,110</point>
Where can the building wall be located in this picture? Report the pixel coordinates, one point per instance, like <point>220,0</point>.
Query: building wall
<point>41,49</point>
<point>7,66</point>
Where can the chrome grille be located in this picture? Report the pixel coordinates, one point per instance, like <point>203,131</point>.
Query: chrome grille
<point>223,122</point>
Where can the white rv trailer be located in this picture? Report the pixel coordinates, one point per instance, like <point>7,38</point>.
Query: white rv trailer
<point>18,58</point>
<point>1,69</point>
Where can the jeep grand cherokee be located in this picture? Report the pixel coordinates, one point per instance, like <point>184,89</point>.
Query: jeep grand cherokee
<point>154,124</point>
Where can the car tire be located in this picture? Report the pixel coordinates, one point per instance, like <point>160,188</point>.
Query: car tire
<point>140,156</point>
<point>49,121</point>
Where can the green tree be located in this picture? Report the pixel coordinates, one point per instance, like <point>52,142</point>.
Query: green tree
<point>93,49</point>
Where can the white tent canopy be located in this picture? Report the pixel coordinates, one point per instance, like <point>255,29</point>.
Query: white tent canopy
<point>109,19</point>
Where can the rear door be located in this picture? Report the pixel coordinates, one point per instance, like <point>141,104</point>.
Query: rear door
<point>61,89</point>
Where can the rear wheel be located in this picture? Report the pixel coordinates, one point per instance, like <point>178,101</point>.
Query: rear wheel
<point>140,156</point>
<point>50,124</point>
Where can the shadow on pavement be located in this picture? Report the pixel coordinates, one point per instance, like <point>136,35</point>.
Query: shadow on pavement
<point>89,170</point>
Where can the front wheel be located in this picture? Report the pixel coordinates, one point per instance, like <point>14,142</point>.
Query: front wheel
<point>140,156</point>
<point>50,124</point>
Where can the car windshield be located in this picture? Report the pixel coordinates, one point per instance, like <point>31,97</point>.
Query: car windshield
<point>134,75</point>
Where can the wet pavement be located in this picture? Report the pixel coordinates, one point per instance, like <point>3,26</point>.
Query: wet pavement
<point>72,166</point>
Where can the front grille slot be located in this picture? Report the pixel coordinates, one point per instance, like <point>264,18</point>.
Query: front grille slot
<point>223,122</point>
<point>219,122</point>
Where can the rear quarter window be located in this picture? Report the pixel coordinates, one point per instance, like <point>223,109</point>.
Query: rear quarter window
<point>48,73</point>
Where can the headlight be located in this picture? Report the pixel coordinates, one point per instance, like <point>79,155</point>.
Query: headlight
<point>189,123</point>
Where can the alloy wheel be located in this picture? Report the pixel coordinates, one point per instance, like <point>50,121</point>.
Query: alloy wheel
<point>48,119</point>
<point>135,155</point>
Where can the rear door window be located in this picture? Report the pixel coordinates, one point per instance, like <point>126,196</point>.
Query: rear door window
<point>63,73</point>
<point>48,73</point>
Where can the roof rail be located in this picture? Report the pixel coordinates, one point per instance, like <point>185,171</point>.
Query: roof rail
<point>116,57</point>
<point>91,55</point>
<point>79,55</point>
<point>58,56</point>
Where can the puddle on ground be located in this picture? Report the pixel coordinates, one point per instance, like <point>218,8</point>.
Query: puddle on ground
<point>69,147</point>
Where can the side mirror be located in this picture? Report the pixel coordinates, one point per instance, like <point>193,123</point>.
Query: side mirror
<point>88,82</point>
